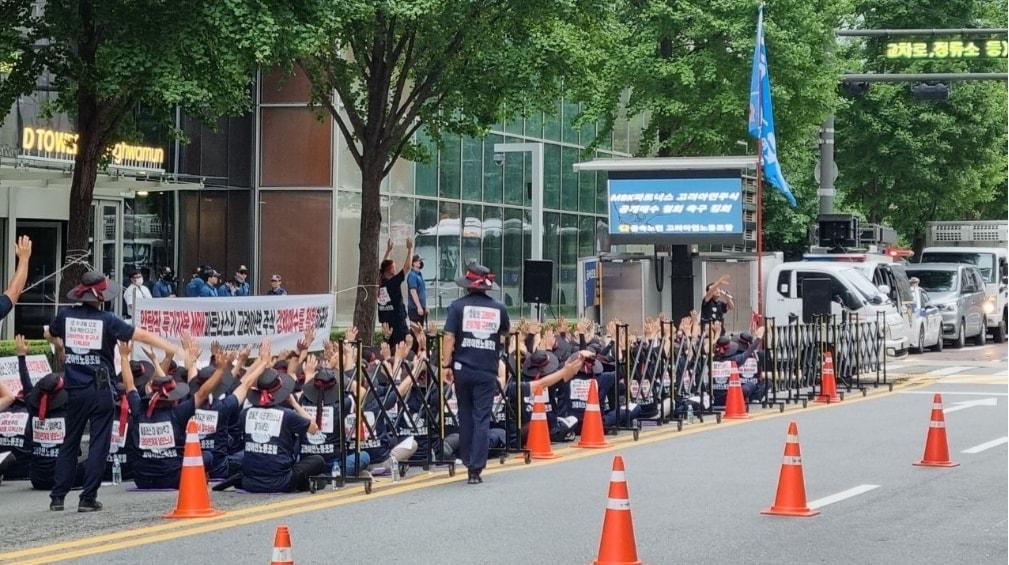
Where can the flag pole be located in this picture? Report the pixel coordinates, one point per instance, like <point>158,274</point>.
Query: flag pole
<point>760,195</point>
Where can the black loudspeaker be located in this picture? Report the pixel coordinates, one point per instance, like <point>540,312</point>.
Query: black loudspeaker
<point>815,299</point>
<point>538,283</point>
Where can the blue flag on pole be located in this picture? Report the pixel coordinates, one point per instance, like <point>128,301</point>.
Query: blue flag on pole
<point>761,123</point>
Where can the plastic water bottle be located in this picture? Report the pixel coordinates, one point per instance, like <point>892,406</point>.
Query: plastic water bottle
<point>117,470</point>
<point>690,412</point>
<point>335,473</point>
<point>394,466</point>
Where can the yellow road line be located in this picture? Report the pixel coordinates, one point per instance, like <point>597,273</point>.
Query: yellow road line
<point>300,505</point>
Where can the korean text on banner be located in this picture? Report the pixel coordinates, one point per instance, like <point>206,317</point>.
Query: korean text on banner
<point>238,321</point>
<point>38,367</point>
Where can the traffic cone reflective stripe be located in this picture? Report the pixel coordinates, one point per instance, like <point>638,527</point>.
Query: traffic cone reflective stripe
<point>790,499</point>
<point>593,435</point>
<point>194,496</point>
<point>617,545</point>
<point>538,442</point>
<point>735,404</point>
<point>282,547</point>
<point>828,384</point>
<point>936,446</point>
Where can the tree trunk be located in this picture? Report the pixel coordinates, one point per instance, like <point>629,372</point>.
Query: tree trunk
<point>82,188</point>
<point>367,246</point>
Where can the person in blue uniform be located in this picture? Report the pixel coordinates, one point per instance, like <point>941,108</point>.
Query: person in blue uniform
<point>417,292</point>
<point>165,285</point>
<point>239,286</point>
<point>474,328</point>
<point>23,251</point>
<point>89,336</point>
<point>272,425</point>
<point>276,286</point>
<point>196,282</point>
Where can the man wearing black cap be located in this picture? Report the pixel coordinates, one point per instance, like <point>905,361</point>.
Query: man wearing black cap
<point>165,285</point>
<point>240,285</point>
<point>276,286</point>
<point>417,288</point>
<point>391,309</point>
<point>89,335</point>
<point>23,250</point>
<point>474,328</point>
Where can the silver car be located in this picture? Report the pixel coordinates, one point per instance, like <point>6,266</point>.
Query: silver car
<point>958,291</point>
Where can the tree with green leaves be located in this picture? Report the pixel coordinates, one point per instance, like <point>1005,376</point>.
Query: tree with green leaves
<point>447,66</point>
<point>107,59</point>
<point>687,66</point>
<point>905,161</point>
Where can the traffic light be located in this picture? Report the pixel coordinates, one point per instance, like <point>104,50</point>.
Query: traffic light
<point>856,88</point>
<point>934,92</point>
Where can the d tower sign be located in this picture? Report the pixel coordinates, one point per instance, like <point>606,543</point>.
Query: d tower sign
<point>42,144</point>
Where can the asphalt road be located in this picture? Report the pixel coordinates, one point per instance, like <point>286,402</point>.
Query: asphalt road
<point>695,496</point>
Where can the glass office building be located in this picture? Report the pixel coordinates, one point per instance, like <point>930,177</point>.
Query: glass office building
<point>460,206</point>
<point>277,190</point>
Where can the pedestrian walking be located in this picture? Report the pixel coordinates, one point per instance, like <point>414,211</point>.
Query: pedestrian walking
<point>474,329</point>
<point>89,335</point>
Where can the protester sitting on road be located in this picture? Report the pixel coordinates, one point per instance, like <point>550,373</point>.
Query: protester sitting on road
<point>224,404</point>
<point>15,445</point>
<point>272,427</point>
<point>120,436</point>
<point>16,436</point>
<point>157,428</point>
<point>319,399</point>
<point>47,404</point>
<point>542,370</point>
<point>378,428</point>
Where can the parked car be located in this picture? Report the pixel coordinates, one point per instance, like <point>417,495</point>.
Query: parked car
<point>851,291</point>
<point>958,290</point>
<point>926,322</point>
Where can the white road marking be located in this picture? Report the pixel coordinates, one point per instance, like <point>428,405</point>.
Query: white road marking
<point>843,495</point>
<point>986,445</point>
<point>970,404</point>
<point>896,367</point>
<point>952,392</point>
<point>947,371</point>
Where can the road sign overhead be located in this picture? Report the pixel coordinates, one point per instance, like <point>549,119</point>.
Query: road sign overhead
<point>947,49</point>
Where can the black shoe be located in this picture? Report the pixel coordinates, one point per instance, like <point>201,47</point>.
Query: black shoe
<point>56,504</point>
<point>474,478</point>
<point>91,505</point>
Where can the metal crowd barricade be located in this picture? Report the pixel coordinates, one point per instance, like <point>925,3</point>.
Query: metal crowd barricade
<point>795,353</point>
<point>624,373</point>
<point>512,406</point>
<point>340,428</point>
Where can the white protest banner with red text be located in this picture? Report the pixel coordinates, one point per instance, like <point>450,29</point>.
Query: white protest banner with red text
<point>238,321</point>
<point>38,367</point>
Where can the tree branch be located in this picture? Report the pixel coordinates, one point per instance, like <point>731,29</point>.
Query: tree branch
<point>399,148</point>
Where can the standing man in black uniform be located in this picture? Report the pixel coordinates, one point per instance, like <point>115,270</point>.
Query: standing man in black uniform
<point>473,331</point>
<point>391,309</point>
<point>89,335</point>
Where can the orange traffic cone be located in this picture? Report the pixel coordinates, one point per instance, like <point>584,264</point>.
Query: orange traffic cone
<point>592,422</point>
<point>282,547</point>
<point>735,405</point>
<point>539,432</point>
<point>617,545</point>
<point>791,497</point>
<point>194,498</point>
<point>936,447</point>
<point>828,384</point>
